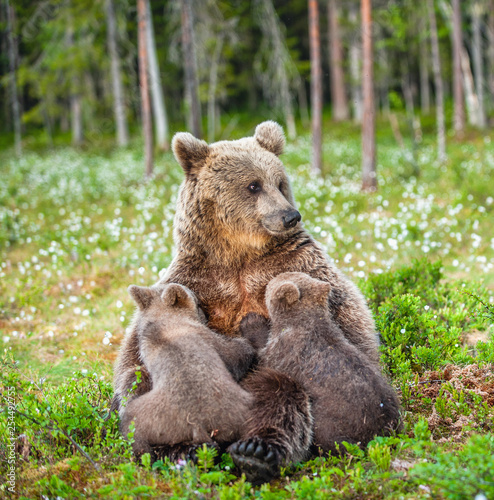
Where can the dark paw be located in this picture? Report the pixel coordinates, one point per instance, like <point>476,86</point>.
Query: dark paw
<point>255,328</point>
<point>258,460</point>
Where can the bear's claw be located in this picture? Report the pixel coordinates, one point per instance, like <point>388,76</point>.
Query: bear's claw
<point>258,460</point>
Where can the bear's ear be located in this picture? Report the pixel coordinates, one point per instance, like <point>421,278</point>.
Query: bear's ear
<point>190,152</point>
<point>142,295</point>
<point>270,136</point>
<point>323,287</point>
<point>286,294</point>
<point>175,295</point>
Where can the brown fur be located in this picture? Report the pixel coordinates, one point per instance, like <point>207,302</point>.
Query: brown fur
<point>194,398</point>
<point>351,400</point>
<point>281,414</point>
<point>231,242</point>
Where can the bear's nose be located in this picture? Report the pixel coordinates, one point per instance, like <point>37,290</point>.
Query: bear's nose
<point>291,219</point>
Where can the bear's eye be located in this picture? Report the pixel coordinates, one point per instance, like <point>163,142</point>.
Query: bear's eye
<point>280,187</point>
<point>254,187</point>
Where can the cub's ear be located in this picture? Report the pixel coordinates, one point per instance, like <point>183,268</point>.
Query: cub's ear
<point>190,152</point>
<point>142,295</point>
<point>323,287</point>
<point>175,295</point>
<point>270,136</point>
<point>286,295</point>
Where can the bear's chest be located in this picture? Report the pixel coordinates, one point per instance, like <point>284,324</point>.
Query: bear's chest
<point>230,300</point>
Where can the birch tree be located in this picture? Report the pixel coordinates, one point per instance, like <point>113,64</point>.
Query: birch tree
<point>459,109</point>
<point>478,65</point>
<point>369,177</point>
<point>339,99</point>
<point>75,92</point>
<point>355,63</point>
<point>471,99</point>
<point>11,42</point>
<point>147,125</point>
<point>424,60</point>
<point>275,68</point>
<point>315,85</point>
<point>158,99</point>
<point>213,83</point>
<point>116,76</point>
<point>490,49</point>
<point>190,67</point>
<point>438,83</point>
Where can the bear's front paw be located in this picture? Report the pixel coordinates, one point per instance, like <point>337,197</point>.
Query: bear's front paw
<point>258,460</point>
<point>255,328</point>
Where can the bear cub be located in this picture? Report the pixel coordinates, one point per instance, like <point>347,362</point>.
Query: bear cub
<point>195,397</point>
<point>351,400</point>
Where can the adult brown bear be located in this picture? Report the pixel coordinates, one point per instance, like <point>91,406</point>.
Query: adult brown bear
<point>237,227</point>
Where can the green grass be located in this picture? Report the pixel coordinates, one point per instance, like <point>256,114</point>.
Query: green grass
<point>77,227</point>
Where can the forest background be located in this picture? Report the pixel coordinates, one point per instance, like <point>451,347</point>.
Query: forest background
<point>388,109</point>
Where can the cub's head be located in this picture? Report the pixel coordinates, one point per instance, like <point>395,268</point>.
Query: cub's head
<point>155,304</point>
<point>235,190</point>
<point>294,293</point>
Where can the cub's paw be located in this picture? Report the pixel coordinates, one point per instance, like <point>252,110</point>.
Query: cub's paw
<point>258,460</point>
<point>255,328</point>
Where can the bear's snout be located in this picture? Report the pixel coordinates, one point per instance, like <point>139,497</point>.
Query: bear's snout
<point>291,219</point>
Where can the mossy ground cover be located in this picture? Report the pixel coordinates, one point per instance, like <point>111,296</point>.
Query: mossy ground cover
<point>77,227</point>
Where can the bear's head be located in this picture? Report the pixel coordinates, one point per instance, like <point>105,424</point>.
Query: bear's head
<point>163,302</point>
<point>235,192</point>
<point>297,294</point>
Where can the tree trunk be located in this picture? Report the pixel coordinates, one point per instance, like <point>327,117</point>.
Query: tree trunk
<point>355,65</point>
<point>490,50</point>
<point>118,93</point>
<point>277,70</point>
<point>190,68</point>
<point>459,108</point>
<point>16,111</point>
<point>76,118</point>
<point>469,89</point>
<point>315,86</point>
<point>302,102</point>
<point>158,99</point>
<point>144,86</point>
<point>468,83</point>
<point>369,178</point>
<point>425,94</point>
<point>438,83</point>
<point>339,99</point>
<point>288,108</point>
<point>414,123</point>
<point>478,68</point>
<point>213,80</point>
<point>75,96</point>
